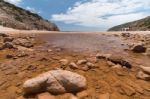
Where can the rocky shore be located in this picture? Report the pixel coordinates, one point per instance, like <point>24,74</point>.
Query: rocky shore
<point>32,68</point>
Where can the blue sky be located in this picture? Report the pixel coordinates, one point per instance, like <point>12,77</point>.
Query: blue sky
<point>87,15</point>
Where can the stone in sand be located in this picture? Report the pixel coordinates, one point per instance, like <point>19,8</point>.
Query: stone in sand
<point>103,56</point>
<point>4,35</point>
<point>145,69</point>
<point>142,75</point>
<point>56,82</point>
<point>8,39</point>
<point>73,65</point>
<point>139,48</point>
<point>8,45</point>
<point>120,60</point>
<point>80,62</point>
<point>64,61</point>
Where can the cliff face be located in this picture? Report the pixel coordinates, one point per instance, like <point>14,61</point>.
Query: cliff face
<point>18,18</point>
<point>139,25</point>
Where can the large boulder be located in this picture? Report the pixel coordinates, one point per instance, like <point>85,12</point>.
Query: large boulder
<point>56,82</point>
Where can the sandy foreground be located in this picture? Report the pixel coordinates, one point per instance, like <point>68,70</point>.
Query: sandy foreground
<point>104,78</point>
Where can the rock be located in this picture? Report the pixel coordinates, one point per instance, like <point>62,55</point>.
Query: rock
<point>125,34</point>
<point>38,84</point>
<point>1,45</point>
<point>85,68</point>
<point>139,48</point>
<point>80,62</point>
<point>148,51</point>
<point>104,96</point>
<point>127,90</point>
<point>145,69</point>
<point>8,39</point>
<point>9,56</point>
<point>92,59</point>
<point>45,95</point>
<point>22,54</point>
<point>73,65</point>
<point>110,63</point>
<point>90,65</point>
<point>120,60</point>
<point>142,75</point>
<point>64,61</point>
<point>71,81</point>
<point>56,82</point>
<point>103,56</point>
<point>4,35</point>
<point>8,45</point>
<point>20,48</point>
<point>23,42</point>
<point>49,50</point>
<point>31,67</point>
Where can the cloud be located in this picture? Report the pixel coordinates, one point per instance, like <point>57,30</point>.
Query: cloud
<point>33,10</point>
<point>103,13</point>
<point>16,2</point>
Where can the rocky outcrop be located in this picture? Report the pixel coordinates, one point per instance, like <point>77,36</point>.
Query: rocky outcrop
<point>18,18</point>
<point>20,43</point>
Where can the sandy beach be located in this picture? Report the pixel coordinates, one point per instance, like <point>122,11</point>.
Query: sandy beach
<point>45,50</point>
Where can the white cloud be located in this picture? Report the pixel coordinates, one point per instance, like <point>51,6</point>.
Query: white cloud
<point>33,10</point>
<point>103,13</point>
<point>16,2</point>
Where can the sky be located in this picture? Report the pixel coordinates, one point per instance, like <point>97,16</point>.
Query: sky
<point>87,15</point>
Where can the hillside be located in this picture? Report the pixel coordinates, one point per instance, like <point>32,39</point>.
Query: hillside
<point>18,18</point>
<point>139,25</point>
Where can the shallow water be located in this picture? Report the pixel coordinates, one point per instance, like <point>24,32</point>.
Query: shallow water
<point>93,43</point>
